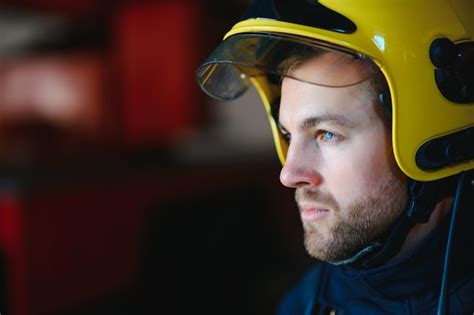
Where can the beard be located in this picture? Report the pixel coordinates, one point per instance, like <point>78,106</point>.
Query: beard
<point>363,221</point>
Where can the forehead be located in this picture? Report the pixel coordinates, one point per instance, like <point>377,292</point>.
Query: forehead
<point>300,98</point>
<point>329,69</point>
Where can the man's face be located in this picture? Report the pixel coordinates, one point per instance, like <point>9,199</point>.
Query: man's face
<point>348,187</point>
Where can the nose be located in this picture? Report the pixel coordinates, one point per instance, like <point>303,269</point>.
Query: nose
<point>300,169</point>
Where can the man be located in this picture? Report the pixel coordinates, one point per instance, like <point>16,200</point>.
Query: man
<point>337,134</point>
<point>378,149</point>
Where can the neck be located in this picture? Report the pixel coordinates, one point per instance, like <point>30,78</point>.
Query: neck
<point>420,231</point>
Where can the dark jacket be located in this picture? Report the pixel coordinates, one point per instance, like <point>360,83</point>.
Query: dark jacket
<point>409,285</point>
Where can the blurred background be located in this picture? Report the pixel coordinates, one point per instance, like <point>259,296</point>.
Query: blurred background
<point>123,188</point>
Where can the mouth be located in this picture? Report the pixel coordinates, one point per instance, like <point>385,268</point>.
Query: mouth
<point>312,214</point>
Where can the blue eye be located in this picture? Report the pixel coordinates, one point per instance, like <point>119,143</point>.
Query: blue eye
<point>328,136</point>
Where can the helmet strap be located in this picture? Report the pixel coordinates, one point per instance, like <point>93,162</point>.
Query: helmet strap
<point>386,102</point>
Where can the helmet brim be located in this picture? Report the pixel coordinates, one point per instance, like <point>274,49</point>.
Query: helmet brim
<point>227,73</point>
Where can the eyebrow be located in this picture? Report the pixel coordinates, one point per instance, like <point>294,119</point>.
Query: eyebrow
<point>312,122</point>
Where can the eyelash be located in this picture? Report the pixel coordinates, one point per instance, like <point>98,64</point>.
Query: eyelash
<point>286,137</point>
<point>319,135</point>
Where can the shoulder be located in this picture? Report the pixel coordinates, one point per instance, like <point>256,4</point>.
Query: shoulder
<point>301,296</point>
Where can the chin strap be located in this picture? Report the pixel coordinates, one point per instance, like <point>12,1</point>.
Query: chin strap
<point>422,199</point>
<point>372,247</point>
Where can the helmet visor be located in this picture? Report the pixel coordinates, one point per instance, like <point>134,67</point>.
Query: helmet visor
<point>229,70</point>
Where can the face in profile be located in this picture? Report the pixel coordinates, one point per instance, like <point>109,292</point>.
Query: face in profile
<point>349,189</point>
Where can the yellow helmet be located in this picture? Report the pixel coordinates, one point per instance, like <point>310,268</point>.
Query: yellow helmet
<point>425,49</point>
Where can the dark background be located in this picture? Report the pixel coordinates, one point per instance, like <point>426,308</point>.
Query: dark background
<point>123,188</point>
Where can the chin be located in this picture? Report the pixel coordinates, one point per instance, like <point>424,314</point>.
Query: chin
<point>327,248</point>
<point>317,246</point>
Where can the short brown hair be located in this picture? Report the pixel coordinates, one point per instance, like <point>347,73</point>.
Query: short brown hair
<point>377,83</point>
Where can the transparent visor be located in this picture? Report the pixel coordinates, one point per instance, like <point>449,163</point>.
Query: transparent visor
<point>229,70</point>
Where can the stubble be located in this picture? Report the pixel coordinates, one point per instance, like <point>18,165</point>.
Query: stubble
<point>364,221</point>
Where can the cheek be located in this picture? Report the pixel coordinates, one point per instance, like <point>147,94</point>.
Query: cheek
<point>359,169</point>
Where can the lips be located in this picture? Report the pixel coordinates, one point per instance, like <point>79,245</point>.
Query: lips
<point>312,214</point>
